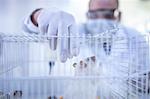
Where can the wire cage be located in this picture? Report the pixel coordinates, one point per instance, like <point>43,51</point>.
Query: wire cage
<point>109,66</point>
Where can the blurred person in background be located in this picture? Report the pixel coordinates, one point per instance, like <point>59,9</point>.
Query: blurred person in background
<point>104,16</point>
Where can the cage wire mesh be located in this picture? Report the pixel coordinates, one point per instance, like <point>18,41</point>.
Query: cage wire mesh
<point>110,66</point>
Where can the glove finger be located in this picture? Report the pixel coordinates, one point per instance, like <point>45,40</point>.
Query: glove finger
<point>74,40</point>
<point>43,21</point>
<point>70,55</point>
<point>52,33</point>
<point>63,41</point>
<point>43,28</point>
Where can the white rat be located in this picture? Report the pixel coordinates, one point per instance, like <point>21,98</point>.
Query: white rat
<point>83,86</point>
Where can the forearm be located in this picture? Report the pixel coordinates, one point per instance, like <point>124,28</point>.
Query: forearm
<point>34,16</point>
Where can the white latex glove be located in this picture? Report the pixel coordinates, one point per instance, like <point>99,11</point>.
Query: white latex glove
<point>58,23</point>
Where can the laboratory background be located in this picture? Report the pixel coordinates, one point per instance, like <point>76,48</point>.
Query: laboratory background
<point>30,70</point>
<point>135,12</point>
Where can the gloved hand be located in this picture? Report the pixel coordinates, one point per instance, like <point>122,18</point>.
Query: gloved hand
<point>61,30</point>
